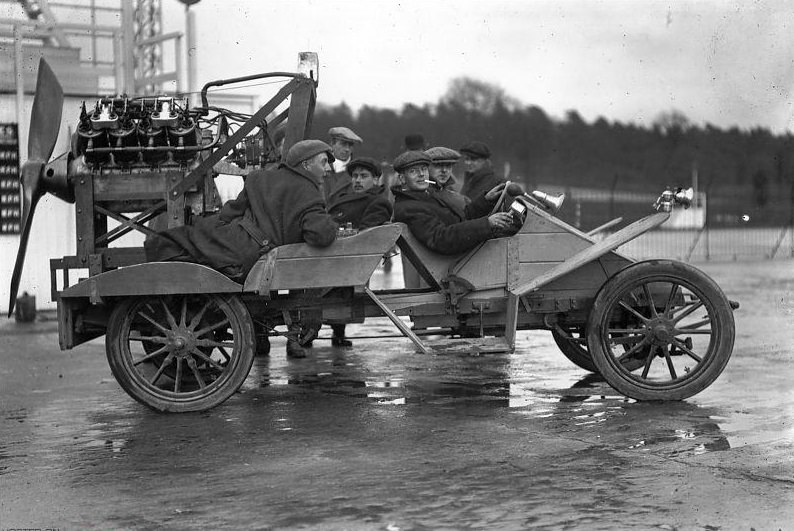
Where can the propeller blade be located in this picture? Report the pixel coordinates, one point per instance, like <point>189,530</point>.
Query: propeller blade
<point>45,118</point>
<point>31,197</point>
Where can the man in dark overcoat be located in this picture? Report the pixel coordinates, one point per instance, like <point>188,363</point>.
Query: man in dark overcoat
<point>437,222</point>
<point>275,207</point>
<point>365,205</point>
<point>479,176</point>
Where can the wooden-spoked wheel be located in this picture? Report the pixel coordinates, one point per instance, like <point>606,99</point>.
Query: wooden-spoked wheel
<point>572,342</point>
<point>180,353</point>
<point>670,315</point>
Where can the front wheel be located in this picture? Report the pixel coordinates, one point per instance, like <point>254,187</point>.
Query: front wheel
<point>671,316</point>
<point>180,353</point>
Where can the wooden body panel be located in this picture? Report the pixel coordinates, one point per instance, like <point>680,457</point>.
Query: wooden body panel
<point>160,278</point>
<point>428,266</point>
<point>346,262</point>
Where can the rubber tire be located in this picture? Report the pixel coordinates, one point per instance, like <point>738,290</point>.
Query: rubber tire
<point>128,378</point>
<point>715,301</point>
<point>577,354</point>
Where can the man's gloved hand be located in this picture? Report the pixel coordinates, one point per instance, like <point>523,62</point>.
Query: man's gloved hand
<point>494,193</point>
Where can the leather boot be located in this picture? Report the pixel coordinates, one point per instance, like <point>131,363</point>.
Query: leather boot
<point>294,349</point>
<point>338,337</point>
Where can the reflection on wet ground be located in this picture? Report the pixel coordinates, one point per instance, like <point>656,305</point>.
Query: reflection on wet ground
<point>381,437</point>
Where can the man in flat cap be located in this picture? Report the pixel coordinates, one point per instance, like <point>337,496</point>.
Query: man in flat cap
<point>442,159</point>
<point>275,207</point>
<point>365,205</point>
<point>434,220</point>
<point>342,141</point>
<point>479,176</point>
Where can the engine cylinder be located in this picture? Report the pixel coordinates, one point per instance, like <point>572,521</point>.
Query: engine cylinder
<point>124,137</point>
<point>152,137</point>
<point>184,135</point>
<point>86,139</point>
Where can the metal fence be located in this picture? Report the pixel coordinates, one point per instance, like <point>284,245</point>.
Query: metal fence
<point>727,224</point>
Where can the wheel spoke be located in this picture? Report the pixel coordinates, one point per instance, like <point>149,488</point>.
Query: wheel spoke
<point>178,378</point>
<point>209,360</point>
<point>647,291</point>
<point>626,340</point>
<point>160,327</point>
<point>687,311</point>
<point>632,310</point>
<point>668,307</point>
<point>681,346</point>
<point>194,322</point>
<point>166,362</point>
<point>669,360</point>
<point>183,317</point>
<point>688,331</point>
<point>694,326</point>
<point>191,362</point>
<point>169,315</point>
<point>225,354</point>
<point>154,354</point>
<point>211,343</point>
<point>626,330</point>
<point>210,328</point>
<point>632,350</point>
<point>648,361</point>
<point>150,339</point>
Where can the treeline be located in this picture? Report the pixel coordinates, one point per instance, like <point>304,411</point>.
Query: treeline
<point>755,167</point>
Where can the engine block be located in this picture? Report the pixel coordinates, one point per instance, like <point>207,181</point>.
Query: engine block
<point>149,132</point>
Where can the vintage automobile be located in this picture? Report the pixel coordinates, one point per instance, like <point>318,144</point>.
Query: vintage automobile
<point>182,337</point>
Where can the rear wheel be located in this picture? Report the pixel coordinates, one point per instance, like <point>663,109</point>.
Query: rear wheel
<point>572,342</point>
<point>180,353</point>
<point>669,315</point>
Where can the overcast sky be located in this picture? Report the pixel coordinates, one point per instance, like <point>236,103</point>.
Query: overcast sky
<point>718,61</point>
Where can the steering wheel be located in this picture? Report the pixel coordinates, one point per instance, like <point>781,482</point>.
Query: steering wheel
<point>500,205</point>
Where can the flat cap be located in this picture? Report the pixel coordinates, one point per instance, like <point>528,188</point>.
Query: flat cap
<point>368,163</point>
<point>442,155</point>
<point>477,150</point>
<point>403,161</point>
<point>306,149</point>
<point>345,134</point>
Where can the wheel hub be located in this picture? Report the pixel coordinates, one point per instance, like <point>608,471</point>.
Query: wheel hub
<point>181,341</point>
<point>662,331</point>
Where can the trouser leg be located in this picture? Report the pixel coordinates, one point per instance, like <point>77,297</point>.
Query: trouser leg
<point>338,338</point>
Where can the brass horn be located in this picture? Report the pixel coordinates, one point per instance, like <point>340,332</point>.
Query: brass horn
<point>547,201</point>
<point>684,196</point>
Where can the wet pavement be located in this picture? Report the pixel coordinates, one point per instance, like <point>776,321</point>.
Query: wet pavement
<point>381,437</point>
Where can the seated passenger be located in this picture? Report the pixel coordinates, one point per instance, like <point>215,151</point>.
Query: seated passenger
<point>276,207</point>
<point>435,220</point>
<point>442,159</point>
<point>365,205</point>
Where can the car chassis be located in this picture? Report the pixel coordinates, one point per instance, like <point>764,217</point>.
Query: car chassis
<point>182,337</point>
